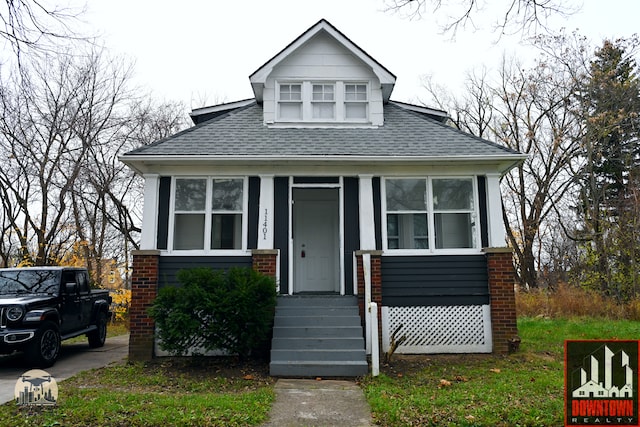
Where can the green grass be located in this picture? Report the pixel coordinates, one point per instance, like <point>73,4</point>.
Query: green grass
<point>161,393</point>
<point>523,389</point>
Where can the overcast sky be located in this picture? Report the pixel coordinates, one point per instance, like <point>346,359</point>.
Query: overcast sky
<point>194,51</point>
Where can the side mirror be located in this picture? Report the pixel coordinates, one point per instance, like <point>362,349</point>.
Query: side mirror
<point>71,288</point>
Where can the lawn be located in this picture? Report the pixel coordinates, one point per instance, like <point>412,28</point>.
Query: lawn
<point>523,389</point>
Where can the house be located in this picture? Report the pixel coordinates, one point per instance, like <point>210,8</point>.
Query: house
<point>347,198</point>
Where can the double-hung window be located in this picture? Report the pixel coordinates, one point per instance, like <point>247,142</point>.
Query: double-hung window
<point>430,213</point>
<point>355,101</point>
<point>208,214</point>
<point>290,101</point>
<point>323,101</point>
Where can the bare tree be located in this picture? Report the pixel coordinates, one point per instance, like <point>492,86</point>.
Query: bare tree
<point>64,121</point>
<point>36,27</point>
<point>523,16</point>
<point>531,111</point>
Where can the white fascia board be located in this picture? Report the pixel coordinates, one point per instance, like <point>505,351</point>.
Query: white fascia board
<point>141,163</point>
<point>259,77</point>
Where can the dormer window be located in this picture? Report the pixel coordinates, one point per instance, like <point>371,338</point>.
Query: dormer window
<point>355,101</point>
<point>290,105</point>
<point>327,102</point>
<point>323,101</point>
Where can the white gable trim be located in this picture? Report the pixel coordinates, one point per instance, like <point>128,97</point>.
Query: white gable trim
<point>259,77</point>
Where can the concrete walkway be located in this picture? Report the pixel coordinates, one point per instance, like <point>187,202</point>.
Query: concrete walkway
<point>325,403</point>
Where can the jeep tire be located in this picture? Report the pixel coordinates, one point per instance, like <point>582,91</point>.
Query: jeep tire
<point>98,336</point>
<point>43,350</point>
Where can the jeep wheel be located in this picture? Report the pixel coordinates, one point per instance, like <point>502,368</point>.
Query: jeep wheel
<point>45,347</point>
<point>98,336</point>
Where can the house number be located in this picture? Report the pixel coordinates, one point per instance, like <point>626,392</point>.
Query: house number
<point>265,224</point>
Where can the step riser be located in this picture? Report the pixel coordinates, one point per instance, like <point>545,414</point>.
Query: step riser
<point>317,311</point>
<point>317,321</point>
<point>310,301</point>
<point>317,332</point>
<point>315,343</point>
<point>313,370</point>
<point>323,355</point>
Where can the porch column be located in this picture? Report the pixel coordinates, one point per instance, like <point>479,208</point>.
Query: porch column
<point>497,232</point>
<point>265,216</point>
<point>150,212</point>
<point>144,289</point>
<point>367,223</point>
<point>503,300</point>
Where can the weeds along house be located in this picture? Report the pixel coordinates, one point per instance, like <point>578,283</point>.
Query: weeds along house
<point>344,196</point>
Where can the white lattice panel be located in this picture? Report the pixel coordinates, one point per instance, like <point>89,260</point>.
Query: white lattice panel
<point>445,329</point>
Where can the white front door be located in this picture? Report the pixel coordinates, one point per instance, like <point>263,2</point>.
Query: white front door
<point>316,247</point>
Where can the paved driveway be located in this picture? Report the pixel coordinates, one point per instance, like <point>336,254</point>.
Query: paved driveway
<point>73,358</point>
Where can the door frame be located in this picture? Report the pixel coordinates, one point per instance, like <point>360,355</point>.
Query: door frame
<point>340,187</point>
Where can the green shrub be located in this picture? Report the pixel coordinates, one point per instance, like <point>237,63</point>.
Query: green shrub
<point>215,310</point>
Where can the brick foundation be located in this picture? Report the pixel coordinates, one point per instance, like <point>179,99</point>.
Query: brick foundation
<point>503,300</point>
<point>144,289</point>
<point>376,287</point>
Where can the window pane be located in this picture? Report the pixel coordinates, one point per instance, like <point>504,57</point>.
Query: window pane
<point>355,92</point>
<point>407,231</point>
<point>455,230</point>
<point>406,194</point>
<point>188,231</point>
<point>226,231</point>
<point>190,194</point>
<point>322,93</point>
<point>452,194</point>
<point>290,92</point>
<point>323,110</point>
<point>227,195</point>
<point>355,110</point>
<point>290,110</point>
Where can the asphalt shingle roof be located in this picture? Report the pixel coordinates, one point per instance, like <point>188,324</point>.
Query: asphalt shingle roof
<point>241,132</point>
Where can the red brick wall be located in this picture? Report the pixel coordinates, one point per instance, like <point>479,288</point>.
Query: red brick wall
<point>265,261</point>
<point>144,289</point>
<point>376,287</point>
<point>503,300</point>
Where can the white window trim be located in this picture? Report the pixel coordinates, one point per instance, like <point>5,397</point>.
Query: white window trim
<point>208,212</point>
<point>339,101</point>
<point>431,219</point>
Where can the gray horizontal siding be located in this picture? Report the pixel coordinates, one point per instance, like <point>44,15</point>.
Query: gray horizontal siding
<point>169,266</point>
<point>434,280</point>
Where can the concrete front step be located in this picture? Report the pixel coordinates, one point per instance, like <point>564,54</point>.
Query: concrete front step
<point>346,343</point>
<point>317,300</point>
<point>334,355</point>
<point>316,331</point>
<point>317,336</point>
<point>325,320</point>
<point>318,368</point>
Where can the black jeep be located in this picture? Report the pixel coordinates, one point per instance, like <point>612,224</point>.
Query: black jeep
<point>40,306</point>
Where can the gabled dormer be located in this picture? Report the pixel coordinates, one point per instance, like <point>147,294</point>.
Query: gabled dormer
<point>322,79</point>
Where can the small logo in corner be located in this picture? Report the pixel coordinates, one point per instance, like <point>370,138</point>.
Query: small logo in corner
<point>36,388</point>
<point>601,383</point>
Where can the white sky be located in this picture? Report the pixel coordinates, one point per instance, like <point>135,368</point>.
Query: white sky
<point>194,51</point>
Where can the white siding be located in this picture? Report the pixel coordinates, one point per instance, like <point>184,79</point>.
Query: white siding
<point>321,58</point>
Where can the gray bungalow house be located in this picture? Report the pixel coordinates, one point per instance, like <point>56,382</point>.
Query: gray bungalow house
<point>346,198</point>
